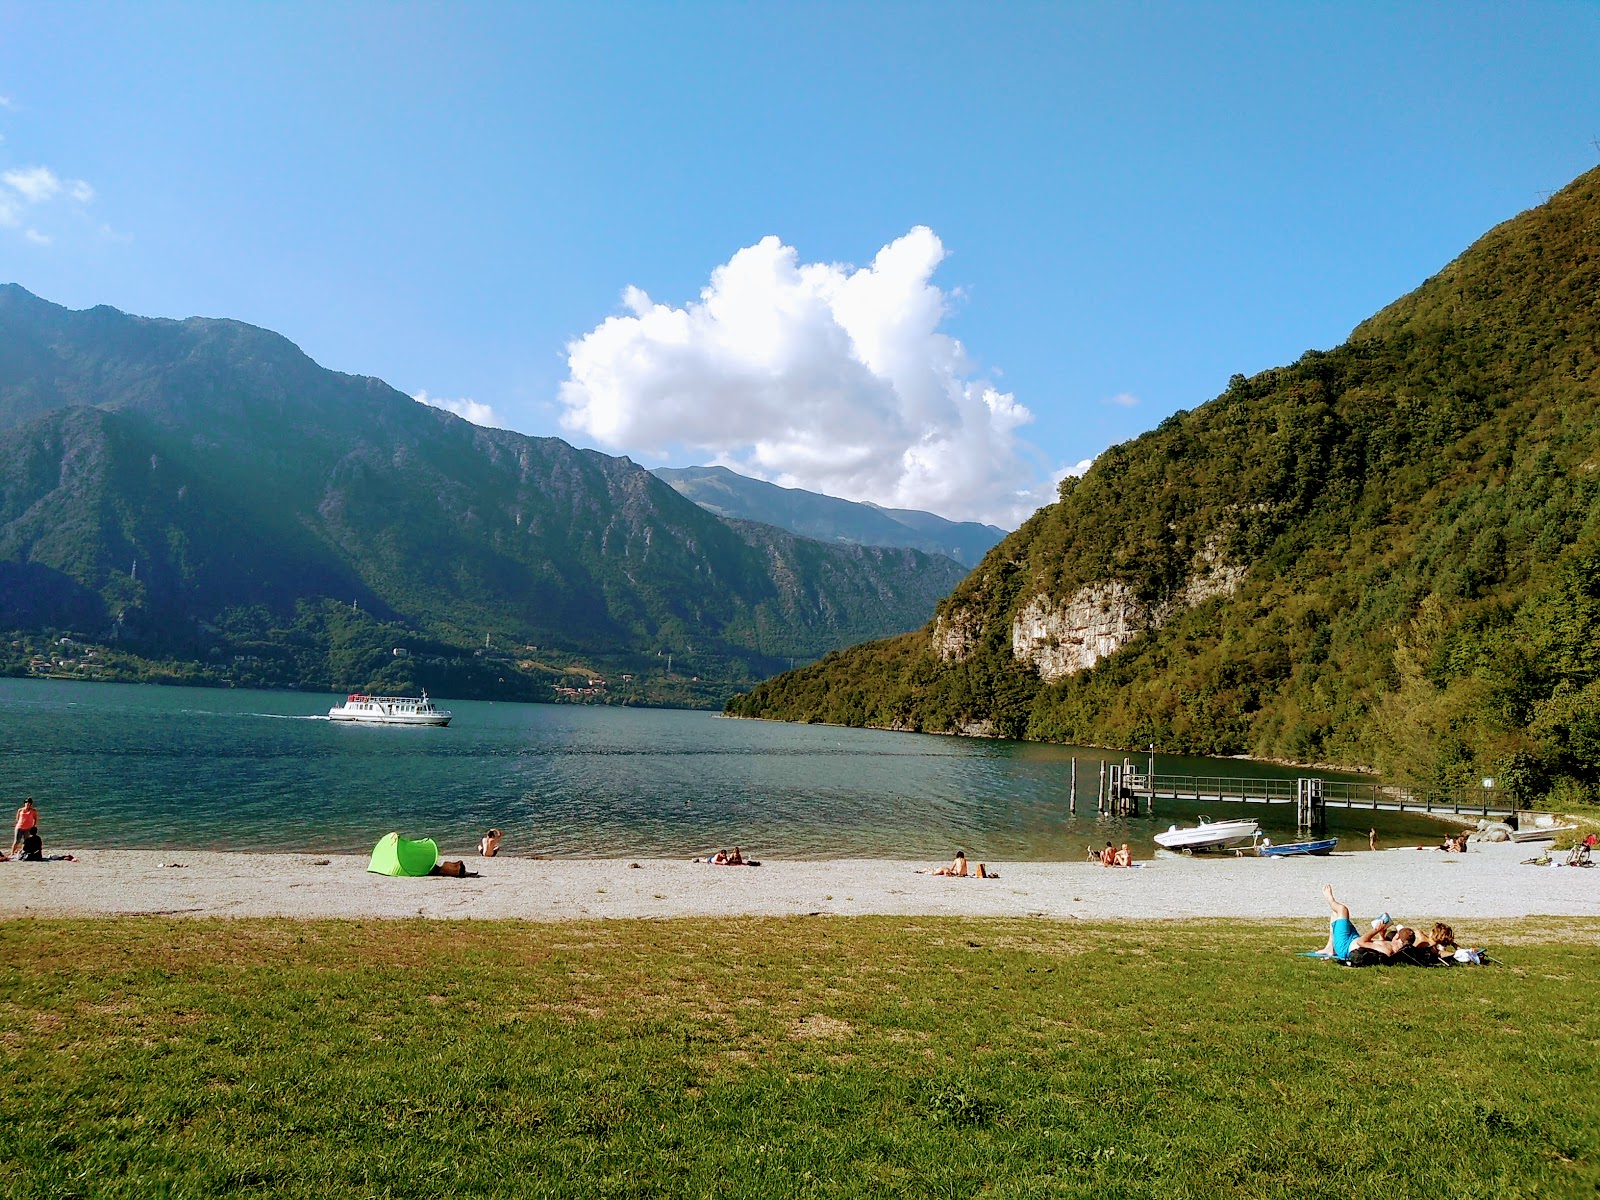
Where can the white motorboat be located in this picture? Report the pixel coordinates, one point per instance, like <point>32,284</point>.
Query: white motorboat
<point>1539,832</point>
<point>1209,835</point>
<point>389,710</point>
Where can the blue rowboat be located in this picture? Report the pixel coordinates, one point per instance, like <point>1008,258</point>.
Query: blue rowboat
<point>1323,846</point>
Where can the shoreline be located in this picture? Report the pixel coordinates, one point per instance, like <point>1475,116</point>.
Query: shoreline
<point>1489,881</point>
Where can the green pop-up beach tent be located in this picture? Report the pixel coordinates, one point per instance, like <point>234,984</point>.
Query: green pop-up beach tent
<point>395,855</point>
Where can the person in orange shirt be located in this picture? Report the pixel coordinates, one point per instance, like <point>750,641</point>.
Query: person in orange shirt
<point>27,819</point>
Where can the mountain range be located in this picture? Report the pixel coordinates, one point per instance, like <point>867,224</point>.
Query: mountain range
<point>829,519</point>
<point>1384,555</point>
<point>201,494</point>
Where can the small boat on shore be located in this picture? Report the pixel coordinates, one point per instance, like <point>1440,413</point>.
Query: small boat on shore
<point>1540,833</point>
<point>1209,835</point>
<point>389,710</point>
<point>1266,849</point>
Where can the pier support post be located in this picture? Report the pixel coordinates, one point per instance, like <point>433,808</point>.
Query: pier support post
<point>1311,813</point>
<point>1072,796</point>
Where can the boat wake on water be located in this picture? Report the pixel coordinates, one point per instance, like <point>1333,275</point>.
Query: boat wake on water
<point>206,712</point>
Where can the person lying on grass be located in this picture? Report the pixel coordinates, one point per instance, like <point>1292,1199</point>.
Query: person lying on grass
<point>1440,940</point>
<point>1343,937</point>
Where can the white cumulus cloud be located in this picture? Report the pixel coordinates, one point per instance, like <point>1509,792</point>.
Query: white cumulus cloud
<point>34,184</point>
<point>815,375</point>
<point>1124,400</point>
<point>36,189</point>
<point>469,410</point>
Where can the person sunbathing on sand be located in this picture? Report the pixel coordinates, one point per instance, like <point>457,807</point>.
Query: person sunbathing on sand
<point>1124,857</point>
<point>1343,937</point>
<point>958,867</point>
<point>490,845</point>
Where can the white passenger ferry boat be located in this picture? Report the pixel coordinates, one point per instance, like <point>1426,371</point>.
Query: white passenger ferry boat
<point>389,710</point>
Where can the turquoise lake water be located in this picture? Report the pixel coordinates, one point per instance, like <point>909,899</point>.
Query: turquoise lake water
<point>121,765</point>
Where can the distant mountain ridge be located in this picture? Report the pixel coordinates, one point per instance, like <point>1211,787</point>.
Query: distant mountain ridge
<point>828,518</point>
<point>204,492</point>
<point>1382,555</point>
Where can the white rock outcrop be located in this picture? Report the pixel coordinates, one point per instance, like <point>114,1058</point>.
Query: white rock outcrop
<point>1061,638</point>
<point>955,634</point>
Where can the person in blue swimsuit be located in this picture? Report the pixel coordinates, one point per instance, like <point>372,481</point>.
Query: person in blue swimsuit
<point>1344,937</point>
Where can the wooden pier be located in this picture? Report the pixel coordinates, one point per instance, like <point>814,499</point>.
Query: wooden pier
<point>1126,791</point>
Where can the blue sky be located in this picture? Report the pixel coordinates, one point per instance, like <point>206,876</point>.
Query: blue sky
<point>1111,208</point>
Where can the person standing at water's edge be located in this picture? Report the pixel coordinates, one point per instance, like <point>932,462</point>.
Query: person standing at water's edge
<point>27,821</point>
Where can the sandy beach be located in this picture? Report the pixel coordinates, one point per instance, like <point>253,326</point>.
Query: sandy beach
<point>1418,885</point>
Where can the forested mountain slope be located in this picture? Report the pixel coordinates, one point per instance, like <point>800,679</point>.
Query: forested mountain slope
<point>827,518</point>
<point>202,490</point>
<point>1384,555</point>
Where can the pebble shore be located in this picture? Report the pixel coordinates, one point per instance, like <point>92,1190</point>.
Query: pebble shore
<point>1417,886</point>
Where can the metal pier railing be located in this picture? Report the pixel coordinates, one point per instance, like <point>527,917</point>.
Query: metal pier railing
<point>1125,790</point>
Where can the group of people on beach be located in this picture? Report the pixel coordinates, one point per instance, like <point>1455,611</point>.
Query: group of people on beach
<point>1383,939</point>
<point>1111,856</point>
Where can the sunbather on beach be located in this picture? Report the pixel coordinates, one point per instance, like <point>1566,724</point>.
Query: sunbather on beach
<point>729,858</point>
<point>1124,857</point>
<point>1108,856</point>
<point>958,867</point>
<point>1344,938</point>
<point>489,846</point>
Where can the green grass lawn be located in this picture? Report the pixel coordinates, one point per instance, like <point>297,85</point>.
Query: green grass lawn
<point>797,1057</point>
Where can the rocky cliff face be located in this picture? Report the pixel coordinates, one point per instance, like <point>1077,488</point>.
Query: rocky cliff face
<point>956,634</point>
<point>1097,620</point>
<point>1064,638</point>
<point>1061,638</point>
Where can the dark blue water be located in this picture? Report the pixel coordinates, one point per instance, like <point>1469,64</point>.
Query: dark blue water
<point>118,765</point>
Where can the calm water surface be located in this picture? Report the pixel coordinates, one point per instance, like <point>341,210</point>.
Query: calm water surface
<point>121,765</point>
